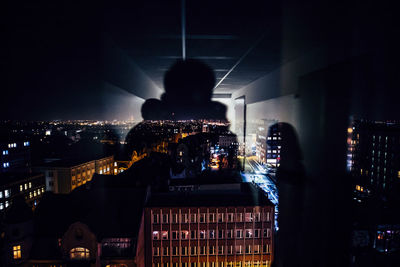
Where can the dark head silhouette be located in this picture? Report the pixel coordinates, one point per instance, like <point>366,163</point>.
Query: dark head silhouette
<point>290,151</point>
<point>188,90</point>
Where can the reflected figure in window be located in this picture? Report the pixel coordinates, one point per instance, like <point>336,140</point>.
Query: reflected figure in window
<point>290,179</point>
<point>184,133</point>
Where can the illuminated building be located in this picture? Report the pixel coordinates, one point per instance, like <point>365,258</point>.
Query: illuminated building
<point>261,144</point>
<point>196,225</point>
<point>28,186</point>
<point>15,155</point>
<point>63,176</point>
<point>273,145</point>
<point>374,156</point>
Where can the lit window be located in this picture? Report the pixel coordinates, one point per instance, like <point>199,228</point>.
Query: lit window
<point>184,234</point>
<point>101,171</point>
<point>164,235</point>
<point>79,253</point>
<point>156,235</point>
<point>1,206</point>
<point>21,188</point>
<point>7,192</point>
<point>26,186</point>
<point>5,152</point>
<point>1,194</point>
<point>30,185</point>
<point>115,164</point>
<point>249,233</point>
<point>7,204</point>
<point>202,234</point>
<point>16,252</point>
<point>248,217</point>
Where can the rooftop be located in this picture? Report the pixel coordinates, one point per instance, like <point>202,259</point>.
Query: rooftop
<point>14,177</point>
<point>245,194</point>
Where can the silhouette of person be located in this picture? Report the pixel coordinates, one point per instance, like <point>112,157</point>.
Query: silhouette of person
<point>188,91</point>
<point>290,178</point>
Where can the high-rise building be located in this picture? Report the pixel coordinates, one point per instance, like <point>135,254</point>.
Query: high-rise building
<point>274,142</point>
<point>374,156</point>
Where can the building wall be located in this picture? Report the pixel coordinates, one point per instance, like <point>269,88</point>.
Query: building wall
<point>15,156</point>
<point>31,188</point>
<point>212,241</point>
<point>65,179</point>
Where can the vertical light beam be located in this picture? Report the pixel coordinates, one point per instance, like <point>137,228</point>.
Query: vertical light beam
<point>183,18</point>
<point>240,59</point>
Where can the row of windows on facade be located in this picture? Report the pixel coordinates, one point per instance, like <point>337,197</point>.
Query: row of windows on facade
<point>212,217</point>
<point>5,194</point>
<point>212,250</point>
<point>103,170</point>
<point>25,186</point>
<point>5,152</point>
<point>75,253</point>
<point>4,205</point>
<point>274,138</point>
<point>211,234</point>
<point>35,193</point>
<point>14,145</point>
<point>215,264</point>
<point>6,164</point>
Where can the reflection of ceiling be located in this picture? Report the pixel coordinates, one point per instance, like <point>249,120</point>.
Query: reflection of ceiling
<point>217,32</point>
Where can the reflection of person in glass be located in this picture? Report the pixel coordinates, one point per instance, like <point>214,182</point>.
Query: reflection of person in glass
<point>290,178</point>
<point>185,129</point>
